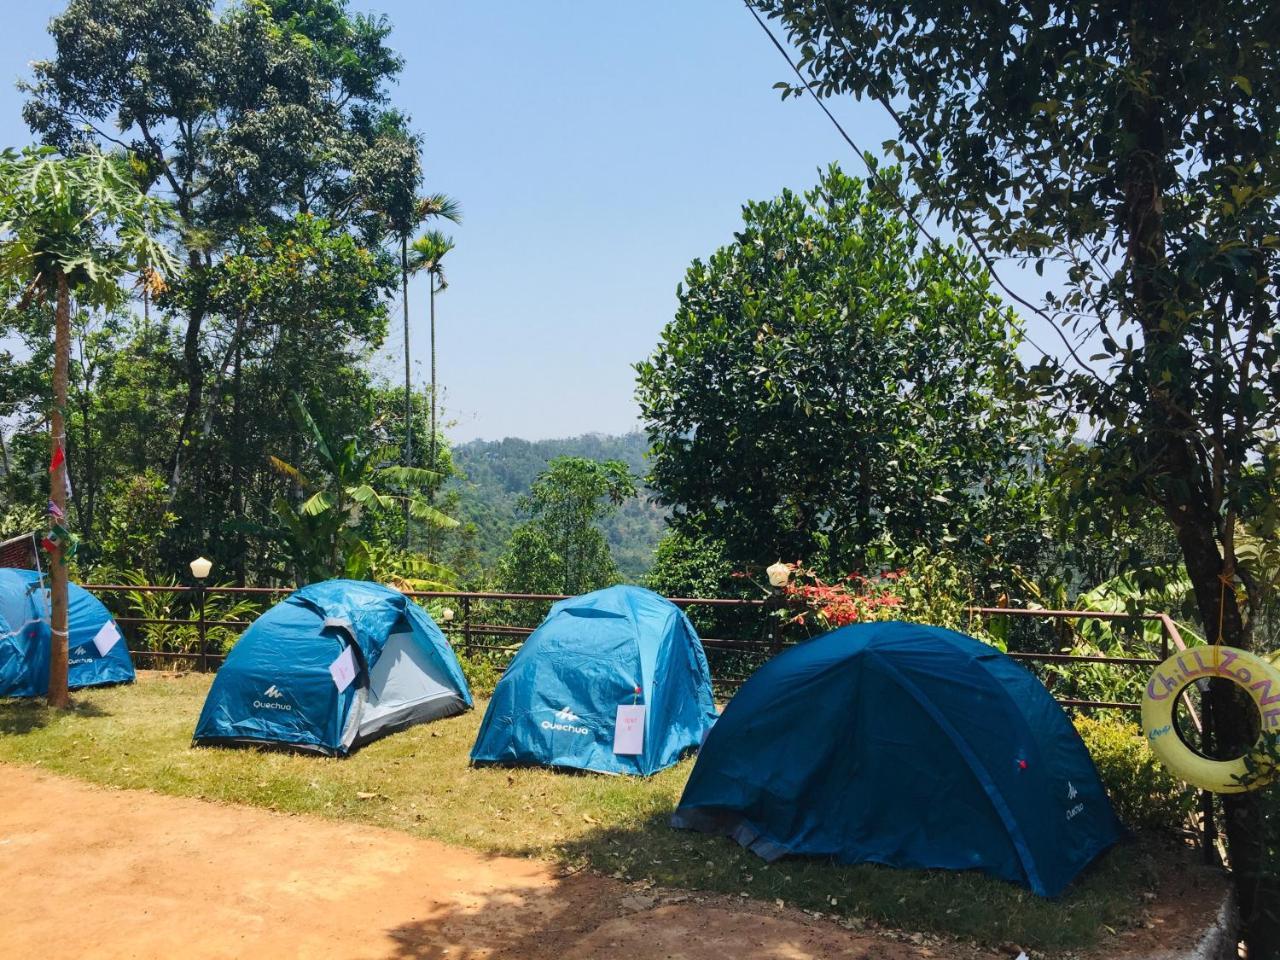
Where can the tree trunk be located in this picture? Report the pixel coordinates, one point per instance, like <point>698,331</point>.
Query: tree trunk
<point>237,456</point>
<point>431,463</point>
<point>408,397</point>
<point>1189,503</point>
<point>58,654</point>
<point>195,384</point>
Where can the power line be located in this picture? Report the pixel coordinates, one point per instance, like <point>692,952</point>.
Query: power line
<point>915,220</point>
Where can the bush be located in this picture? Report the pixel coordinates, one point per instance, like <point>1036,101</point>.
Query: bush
<point>1146,796</point>
<point>482,673</point>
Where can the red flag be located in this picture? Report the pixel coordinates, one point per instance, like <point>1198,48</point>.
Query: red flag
<point>59,458</point>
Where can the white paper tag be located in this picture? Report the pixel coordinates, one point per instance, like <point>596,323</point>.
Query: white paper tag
<point>343,669</point>
<point>628,734</point>
<point>106,638</point>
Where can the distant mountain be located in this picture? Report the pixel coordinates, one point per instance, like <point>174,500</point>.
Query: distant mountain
<point>498,472</point>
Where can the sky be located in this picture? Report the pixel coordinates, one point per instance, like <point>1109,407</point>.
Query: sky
<point>596,148</point>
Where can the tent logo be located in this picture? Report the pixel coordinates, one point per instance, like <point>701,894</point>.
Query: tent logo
<point>1072,792</point>
<point>565,720</point>
<point>80,655</point>
<point>273,692</point>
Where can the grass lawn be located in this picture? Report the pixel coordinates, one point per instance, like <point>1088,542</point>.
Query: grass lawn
<point>419,782</point>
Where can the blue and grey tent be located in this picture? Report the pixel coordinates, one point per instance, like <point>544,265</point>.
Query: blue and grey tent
<point>558,702</point>
<point>331,667</point>
<point>97,651</point>
<point>906,745</point>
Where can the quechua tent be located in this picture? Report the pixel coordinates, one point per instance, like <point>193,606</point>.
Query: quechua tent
<point>906,745</point>
<point>331,667</point>
<point>97,655</point>
<point>613,681</point>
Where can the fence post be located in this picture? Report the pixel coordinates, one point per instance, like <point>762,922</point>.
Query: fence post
<point>466,625</point>
<point>200,628</point>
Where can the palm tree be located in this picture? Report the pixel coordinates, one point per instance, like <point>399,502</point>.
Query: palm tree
<point>68,225</point>
<point>433,206</point>
<point>429,251</point>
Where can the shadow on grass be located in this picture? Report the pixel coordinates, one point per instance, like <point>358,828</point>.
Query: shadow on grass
<point>968,905</point>
<point>27,715</point>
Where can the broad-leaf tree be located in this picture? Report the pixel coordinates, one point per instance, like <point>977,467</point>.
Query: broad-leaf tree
<point>240,113</point>
<point>560,548</point>
<point>1136,147</point>
<point>70,227</point>
<point>830,385</point>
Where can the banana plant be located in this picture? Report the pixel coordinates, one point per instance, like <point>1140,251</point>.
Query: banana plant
<point>322,531</point>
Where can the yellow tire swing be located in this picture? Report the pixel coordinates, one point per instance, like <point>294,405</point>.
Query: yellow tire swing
<point>1258,677</point>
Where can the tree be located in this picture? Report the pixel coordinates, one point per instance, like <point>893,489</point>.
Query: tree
<point>323,533</point>
<point>1137,146</point>
<point>429,251</point>
<point>830,385</point>
<point>70,226</point>
<point>560,548</point>
<point>247,113</point>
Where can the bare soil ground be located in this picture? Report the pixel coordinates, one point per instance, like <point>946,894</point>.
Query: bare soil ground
<point>93,872</point>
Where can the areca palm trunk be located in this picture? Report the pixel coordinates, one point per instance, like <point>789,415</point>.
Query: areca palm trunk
<point>58,655</point>
<point>408,399</point>
<point>431,535</point>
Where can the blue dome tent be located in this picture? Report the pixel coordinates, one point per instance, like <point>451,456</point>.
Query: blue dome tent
<point>906,745</point>
<point>97,651</point>
<point>331,667</point>
<point>558,702</point>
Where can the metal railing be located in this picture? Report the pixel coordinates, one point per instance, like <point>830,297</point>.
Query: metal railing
<point>476,630</point>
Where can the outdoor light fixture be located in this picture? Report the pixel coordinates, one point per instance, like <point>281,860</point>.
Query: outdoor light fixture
<point>779,573</point>
<point>200,567</point>
<point>448,614</point>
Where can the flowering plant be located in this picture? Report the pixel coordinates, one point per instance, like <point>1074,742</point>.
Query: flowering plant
<point>813,602</point>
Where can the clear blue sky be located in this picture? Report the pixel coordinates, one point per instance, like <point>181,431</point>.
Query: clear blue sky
<point>595,148</point>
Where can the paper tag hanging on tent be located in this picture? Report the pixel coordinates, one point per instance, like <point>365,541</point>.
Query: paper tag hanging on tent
<point>343,669</point>
<point>628,733</point>
<point>106,638</point>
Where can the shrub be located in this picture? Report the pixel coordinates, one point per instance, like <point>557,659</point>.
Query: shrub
<point>482,672</point>
<point>1146,796</point>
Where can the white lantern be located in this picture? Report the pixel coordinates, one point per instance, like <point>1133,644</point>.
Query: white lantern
<point>200,567</point>
<point>447,615</point>
<point>779,573</point>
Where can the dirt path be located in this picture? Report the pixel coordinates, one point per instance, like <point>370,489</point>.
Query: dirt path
<point>90,872</point>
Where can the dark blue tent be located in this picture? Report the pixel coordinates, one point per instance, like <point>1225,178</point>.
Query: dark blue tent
<point>97,651</point>
<point>331,667</point>
<point>906,745</point>
<point>557,704</point>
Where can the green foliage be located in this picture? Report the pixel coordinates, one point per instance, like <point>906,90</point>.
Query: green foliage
<point>498,472</point>
<point>19,519</point>
<point>561,547</point>
<point>81,218</point>
<point>266,123</point>
<point>322,533</point>
<point>1145,795</point>
<point>699,566</point>
<point>482,672</point>
<point>829,381</point>
<point>182,637</point>
<point>137,517</point>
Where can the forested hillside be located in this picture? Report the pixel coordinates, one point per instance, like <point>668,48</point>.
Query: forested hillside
<point>495,473</point>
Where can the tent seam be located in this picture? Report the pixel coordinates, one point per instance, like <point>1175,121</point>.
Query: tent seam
<point>979,771</point>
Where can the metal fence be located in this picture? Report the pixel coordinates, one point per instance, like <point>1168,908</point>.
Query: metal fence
<point>493,625</point>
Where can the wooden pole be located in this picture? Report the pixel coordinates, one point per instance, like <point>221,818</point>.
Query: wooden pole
<point>58,696</point>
